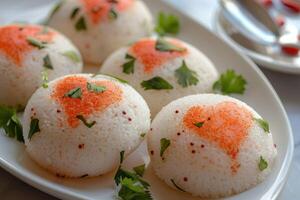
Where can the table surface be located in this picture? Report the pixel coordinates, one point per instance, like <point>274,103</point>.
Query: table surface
<point>286,85</point>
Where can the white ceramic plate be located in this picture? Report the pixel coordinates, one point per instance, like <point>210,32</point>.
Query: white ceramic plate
<point>259,94</point>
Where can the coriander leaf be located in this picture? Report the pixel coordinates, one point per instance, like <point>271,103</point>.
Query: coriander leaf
<point>80,24</point>
<point>139,170</point>
<point>74,12</point>
<point>34,127</point>
<point>55,8</point>
<point>128,67</point>
<point>263,124</point>
<point>262,164</point>
<point>122,156</point>
<point>230,82</point>
<point>87,124</point>
<point>10,123</point>
<point>117,78</point>
<point>72,55</point>
<point>185,76</point>
<point>164,144</point>
<point>45,79</point>
<point>156,83</point>
<point>133,190</point>
<point>176,186</point>
<point>121,174</point>
<point>199,124</point>
<point>164,45</point>
<point>74,93</point>
<point>36,43</point>
<point>112,14</point>
<point>167,24</point>
<point>95,88</point>
<point>143,135</point>
<point>47,62</point>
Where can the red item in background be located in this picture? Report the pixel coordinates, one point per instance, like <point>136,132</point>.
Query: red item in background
<point>266,3</point>
<point>291,51</point>
<point>292,5</point>
<point>280,20</point>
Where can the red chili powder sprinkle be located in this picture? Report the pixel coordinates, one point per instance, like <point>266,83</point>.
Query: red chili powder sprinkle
<point>228,125</point>
<point>89,102</point>
<point>145,52</point>
<point>98,10</point>
<point>13,40</point>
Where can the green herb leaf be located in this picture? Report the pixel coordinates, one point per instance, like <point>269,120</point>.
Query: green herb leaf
<point>121,174</point>
<point>156,83</point>
<point>139,170</point>
<point>199,124</point>
<point>72,55</point>
<point>87,124</point>
<point>230,82</point>
<point>34,127</point>
<point>132,190</point>
<point>74,12</point>
<point>47,62</point>
<point>128,67</point>
<point>95,88</point>
<point>122,156</point>
<point>164,45</point>
<point>167,24</point>
<point>143,135</point>
<point>164,144</point>
<point>185,76</point>
<point>10,123</point>
<point>45,79</point>
<point>74,93</point>
<point>36,43</point>
<point>263,124</point>
<point>80,24</point>
<point>262,164</point>
<point>55,8</point>
<point>176,186</point>
<point>112,14</point>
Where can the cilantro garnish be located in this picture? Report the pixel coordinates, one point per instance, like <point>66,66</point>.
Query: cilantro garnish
<point>262,165</point>
<point>128,67</point>
<point>34,128</point>
<point>143,135</point>
<point>10,123</point>
<point>95,88</point>
<point>122,156</point>
<point>87,124</point>
<point>112,14</point>
<point>185,76</point>
<point>80,24</point>
<point>230,82</point>
<point>199,124</point>
<point>47,62</point>
<point>263,124</point>
<point>45,79</point>
<point>167,24</point>
<point>36,43</point>
<point>74,93</point>
<point>139,170</point>
<point>164,144</point>
<point>176,186</point>
<point>55,8</point>
<point>121,174</point>
<point>74,12</point>
<point>156,83</point>
<point>72,55</point>
<point>163,45</point>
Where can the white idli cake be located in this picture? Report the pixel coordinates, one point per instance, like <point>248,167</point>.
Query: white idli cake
<point>98,27</point>
<point>210,146</point>
<point>29,56</point>
<point>162,70</point>
<point>79,125</point>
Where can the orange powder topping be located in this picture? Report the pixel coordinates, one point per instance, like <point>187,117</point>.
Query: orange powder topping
<point>13,40</point>
<point>89,102</point>
<point>145,52</point>
<point>225,124</point>
<point>98,10</point>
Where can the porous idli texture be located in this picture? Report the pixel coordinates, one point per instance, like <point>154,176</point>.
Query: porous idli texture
<point>84,122</point>
<point>210,146</point>
<point>186,69</point>
<point>98,27</point>
<point>29,54</point>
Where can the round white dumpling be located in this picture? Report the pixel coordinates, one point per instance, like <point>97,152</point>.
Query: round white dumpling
<point>210,145</point>
<point>29,55</point>
<point>99,27</point>
<point>162,70</point>
<point>79,124</point>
